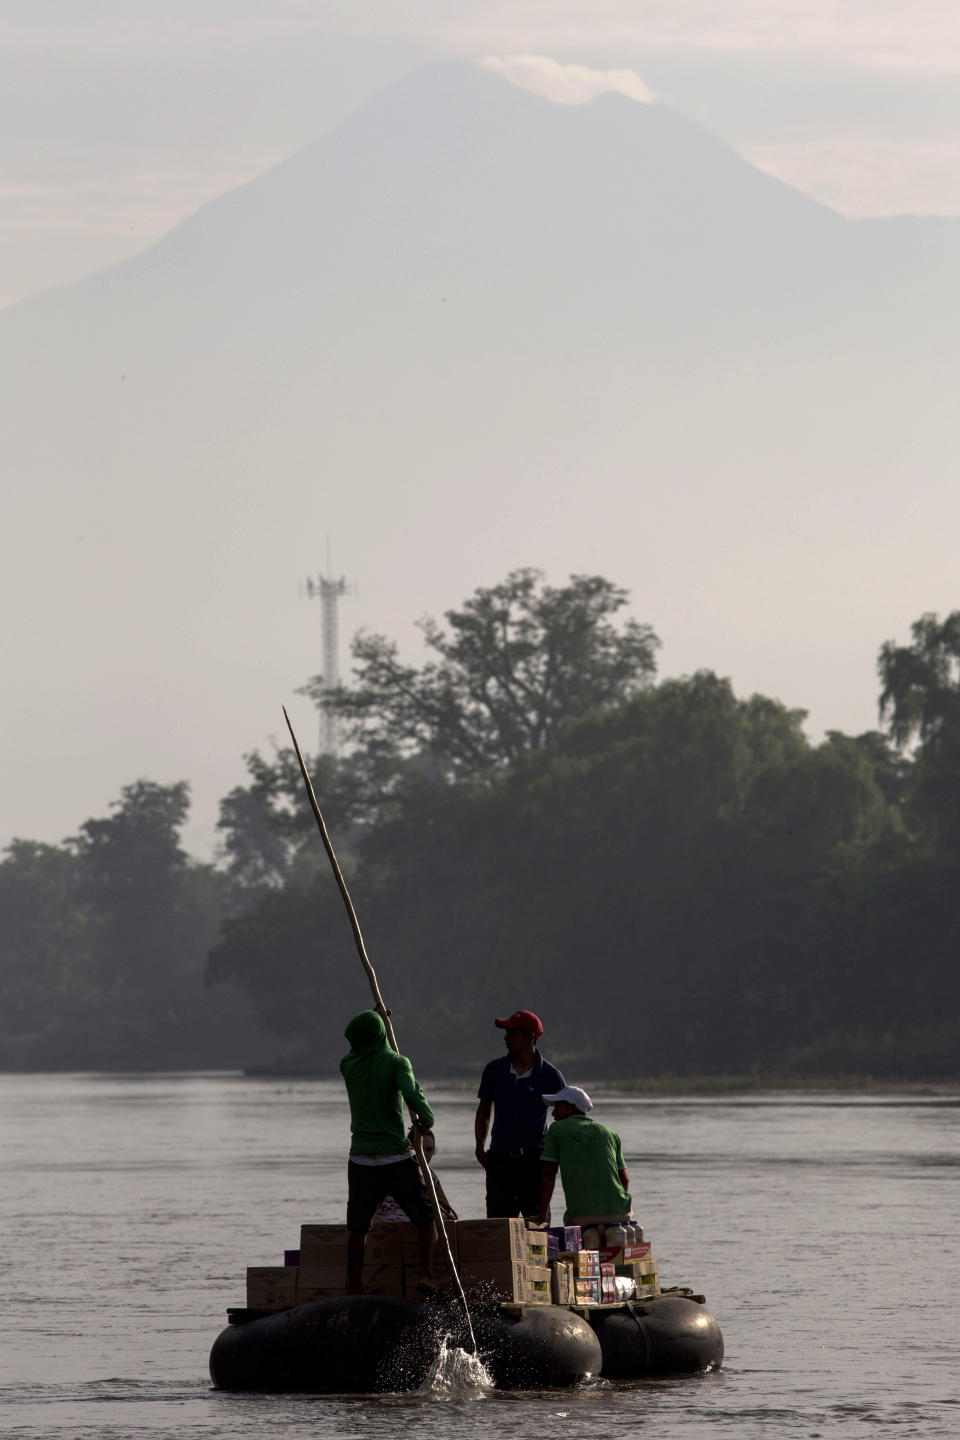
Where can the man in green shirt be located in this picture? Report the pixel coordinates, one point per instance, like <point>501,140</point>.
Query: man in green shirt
<point>589,1158</point>
<point>381,1162</point>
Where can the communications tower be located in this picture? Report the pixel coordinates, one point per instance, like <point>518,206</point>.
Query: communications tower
<point>328,590</point>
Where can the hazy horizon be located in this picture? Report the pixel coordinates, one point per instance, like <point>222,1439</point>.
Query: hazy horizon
<point>767,528</point>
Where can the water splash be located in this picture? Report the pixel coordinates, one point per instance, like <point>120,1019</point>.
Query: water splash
<point>455,1372</point>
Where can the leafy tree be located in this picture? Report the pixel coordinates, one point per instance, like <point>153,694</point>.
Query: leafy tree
<point>133,867</point>
<point>514,663</point>
<point>269,834</point>
<point>921,683</point>
<point>920,699</point>
<point>264,824</point>
<point>46,935</point>
<point>680,876</point>
<point>155,914</point>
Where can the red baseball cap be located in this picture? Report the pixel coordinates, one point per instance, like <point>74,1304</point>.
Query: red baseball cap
<point>522,1020</point>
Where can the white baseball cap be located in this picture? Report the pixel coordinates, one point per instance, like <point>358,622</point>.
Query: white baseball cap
<point>573,1095</point>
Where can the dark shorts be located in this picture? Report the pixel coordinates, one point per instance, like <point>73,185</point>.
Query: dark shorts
<point>513,1183</point>
<point>368,1185</point>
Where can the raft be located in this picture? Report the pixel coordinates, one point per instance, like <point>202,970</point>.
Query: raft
<point>365,1344</point>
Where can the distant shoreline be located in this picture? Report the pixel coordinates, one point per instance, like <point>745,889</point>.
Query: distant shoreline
<point>667,1085</point>
<point>647,1085</point>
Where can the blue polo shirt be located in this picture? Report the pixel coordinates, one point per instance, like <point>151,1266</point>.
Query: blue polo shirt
<point>519,1114</point>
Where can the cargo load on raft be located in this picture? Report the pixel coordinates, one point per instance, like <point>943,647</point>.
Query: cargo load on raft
<point>547,1310</point>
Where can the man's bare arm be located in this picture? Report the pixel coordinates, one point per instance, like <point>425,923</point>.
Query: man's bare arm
<point>480,1127</point>
<point>548,1179</point>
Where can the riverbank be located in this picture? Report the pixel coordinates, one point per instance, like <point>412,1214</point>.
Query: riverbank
<point>778,1084</point>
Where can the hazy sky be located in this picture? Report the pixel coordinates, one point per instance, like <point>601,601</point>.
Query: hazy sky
<point>120,117</point>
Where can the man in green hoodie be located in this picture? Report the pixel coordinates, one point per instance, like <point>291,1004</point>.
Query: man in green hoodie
<point>381,1162</point>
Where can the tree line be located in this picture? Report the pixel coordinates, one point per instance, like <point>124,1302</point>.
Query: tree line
<point>676,878</point>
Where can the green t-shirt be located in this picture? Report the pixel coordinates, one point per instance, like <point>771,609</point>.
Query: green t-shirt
<point>378,1080</point>
<point>590,1159</point>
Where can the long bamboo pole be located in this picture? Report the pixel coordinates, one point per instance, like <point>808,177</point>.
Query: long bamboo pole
<point>384,1014</point>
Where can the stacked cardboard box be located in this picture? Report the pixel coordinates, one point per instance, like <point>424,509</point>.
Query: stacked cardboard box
<point>645,1275</point>
<point>561,1272</point>
<point>323,1245</point>
<point>624,1254</point>
<point>608,1284</point>
<point>322,1272</point>
<point>568,1238</point>
<point>489,1240</point>
<point>539,1285</point>
<point>410,1255</point>
<point>538,1247</point>
<point>498,1261</point>
<point>271,1287</point>
<point>586,1291</point>
<point>493,1260</point>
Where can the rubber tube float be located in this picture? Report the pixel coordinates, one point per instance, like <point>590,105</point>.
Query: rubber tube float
<point>367,1343</point>
<point>667,1335</point>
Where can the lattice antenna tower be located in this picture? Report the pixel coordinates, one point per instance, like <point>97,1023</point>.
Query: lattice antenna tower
<point>328,589</point>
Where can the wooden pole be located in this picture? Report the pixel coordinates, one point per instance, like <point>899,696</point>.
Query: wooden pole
<point>384,1014</point>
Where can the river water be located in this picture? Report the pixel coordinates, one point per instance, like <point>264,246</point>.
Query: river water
<point>823,1229</point>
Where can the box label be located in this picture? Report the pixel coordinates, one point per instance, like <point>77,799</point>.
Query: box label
<point>586,1263</point>
<point>623,1254</point>
<point>539,1288</point>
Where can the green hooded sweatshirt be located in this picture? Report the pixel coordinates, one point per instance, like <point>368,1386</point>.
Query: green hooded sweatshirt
<point>378,1080</point>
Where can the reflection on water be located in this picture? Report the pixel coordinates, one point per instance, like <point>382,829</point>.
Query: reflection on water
<point>823,1230</point>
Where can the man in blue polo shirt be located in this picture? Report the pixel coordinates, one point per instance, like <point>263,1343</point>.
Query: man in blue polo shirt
<point>512,1088</point>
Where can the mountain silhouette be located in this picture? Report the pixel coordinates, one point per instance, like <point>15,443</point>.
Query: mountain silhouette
<point>469,329</point>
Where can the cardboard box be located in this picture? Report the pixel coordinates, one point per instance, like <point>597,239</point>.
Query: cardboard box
<point>410,1240</point>
<point>641,1270</point>
<point>385,1243</point>
<point>494,1282</point>
<point>271,1287</point>
<point>539,1236</point>
<point>384,1278</point>
<point>318,1282</point>
<point>568,1238</point>
<point>623,1254</point>
<point>442,1275</point>
<point>539,1287</point>
<point>586,1292</point>
<point>486,1242</point>
<point>537,1249</point>
<point>492,1241</point>
<point>561,1272</point>
<point>586,1264</point>
<point>326,1282</point>
<point>645,1274</point>
<point>323,1245</point>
